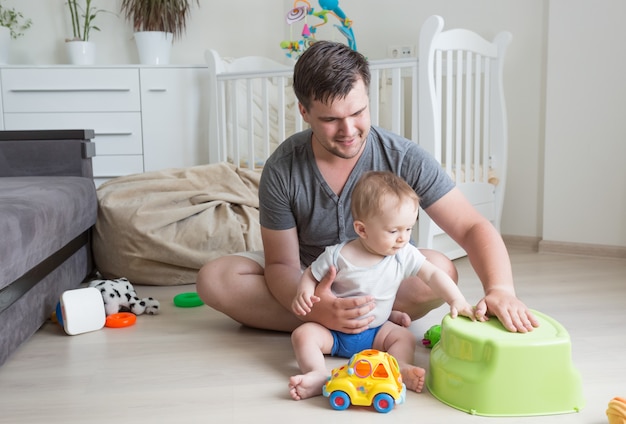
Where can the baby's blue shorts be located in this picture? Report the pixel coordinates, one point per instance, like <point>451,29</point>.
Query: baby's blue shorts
<point>346,345</point>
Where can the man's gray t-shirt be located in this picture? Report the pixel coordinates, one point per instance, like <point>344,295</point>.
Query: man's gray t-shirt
<point>293,193</point>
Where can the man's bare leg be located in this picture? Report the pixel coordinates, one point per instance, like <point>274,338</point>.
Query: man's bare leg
<point>415,297</point>
<point>235,286</point>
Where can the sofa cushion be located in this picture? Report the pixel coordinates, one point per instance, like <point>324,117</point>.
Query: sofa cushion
<point>40,215</point>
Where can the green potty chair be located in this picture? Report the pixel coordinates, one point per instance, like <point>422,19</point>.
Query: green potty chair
<point>483,369</point>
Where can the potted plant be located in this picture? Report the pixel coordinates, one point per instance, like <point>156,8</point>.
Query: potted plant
<point>80,50</point>
<point>12,25</point>
<point>156,24</point>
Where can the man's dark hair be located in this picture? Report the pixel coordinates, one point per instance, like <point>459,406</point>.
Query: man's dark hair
<point>327,71</point>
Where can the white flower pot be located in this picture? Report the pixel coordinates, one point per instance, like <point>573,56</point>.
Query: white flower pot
<point>154,47</point>
<point>5,44</point>
<point>81,52</point>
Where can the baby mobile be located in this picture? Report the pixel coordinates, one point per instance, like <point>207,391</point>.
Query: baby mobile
<point>301,11</point>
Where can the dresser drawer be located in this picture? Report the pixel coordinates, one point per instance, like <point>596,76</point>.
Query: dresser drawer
<point>116,166</point>
<point>116,133</point>
<point>70,90</point>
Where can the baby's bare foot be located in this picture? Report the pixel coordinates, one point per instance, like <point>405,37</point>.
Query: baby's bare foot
<point>413,377</point>
<point>307,385</point>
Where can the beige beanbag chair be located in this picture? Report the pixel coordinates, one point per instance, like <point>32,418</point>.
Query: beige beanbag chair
<point>160,227</point>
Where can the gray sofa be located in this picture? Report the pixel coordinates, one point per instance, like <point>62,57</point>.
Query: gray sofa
<point>48,205</point>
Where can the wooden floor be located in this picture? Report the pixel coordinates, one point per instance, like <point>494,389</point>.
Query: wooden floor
<point>197,366</point>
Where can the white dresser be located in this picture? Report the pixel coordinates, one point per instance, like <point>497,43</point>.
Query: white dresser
<point>144,118</point>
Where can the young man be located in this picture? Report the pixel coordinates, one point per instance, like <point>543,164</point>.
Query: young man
<point>304,199</point>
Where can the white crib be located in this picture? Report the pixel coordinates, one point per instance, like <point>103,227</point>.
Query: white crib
<point>253,109</point>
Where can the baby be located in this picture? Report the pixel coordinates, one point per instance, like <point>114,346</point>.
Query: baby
<point>384,209</point>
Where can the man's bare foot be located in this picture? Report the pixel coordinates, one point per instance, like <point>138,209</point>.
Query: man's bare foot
<point>413,377</point>
<point>307,385</point>
<point>400,318</point>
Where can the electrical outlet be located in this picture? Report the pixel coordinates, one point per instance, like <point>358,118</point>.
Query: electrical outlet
<point>401,51</point>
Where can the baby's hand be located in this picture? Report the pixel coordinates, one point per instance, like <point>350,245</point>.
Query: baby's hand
<point>461,307</point>
<point>303,303</point>
<point>401,318</point>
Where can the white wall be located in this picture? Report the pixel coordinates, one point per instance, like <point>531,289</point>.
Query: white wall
<point>240,27</point>
<point>585,137</point>
<point>246,27</point>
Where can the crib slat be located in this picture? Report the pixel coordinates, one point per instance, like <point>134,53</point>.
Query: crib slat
<point>221,123</point>
<point>282,132</point>
<point>447,104</point>
<point>249,161</point>
<point>375,87</point>
<point>265,126</point>
<point>476,174</point>
<point>467,141</point>
<point>234,145</point>
<point>486,123</point>
<point>458,115</point>
<point>396,100</point>
<point>414,104</point>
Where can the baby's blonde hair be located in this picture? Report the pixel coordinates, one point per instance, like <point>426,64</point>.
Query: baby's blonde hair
<point>371,189</point>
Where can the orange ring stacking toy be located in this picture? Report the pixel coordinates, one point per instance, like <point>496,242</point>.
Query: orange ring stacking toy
<point>122,319</point>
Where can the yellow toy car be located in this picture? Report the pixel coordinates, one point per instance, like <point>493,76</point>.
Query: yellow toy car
<point>371,377</point>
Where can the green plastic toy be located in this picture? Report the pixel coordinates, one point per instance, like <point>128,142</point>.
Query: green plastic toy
<point>432,336</point>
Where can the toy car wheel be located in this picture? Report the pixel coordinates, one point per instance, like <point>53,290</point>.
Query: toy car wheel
<point>339,400</point>
<point>383,402</point>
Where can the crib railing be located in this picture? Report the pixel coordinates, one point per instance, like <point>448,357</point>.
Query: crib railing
<point>256,111</point>
<point>393,96</point>
<point>251,112</point>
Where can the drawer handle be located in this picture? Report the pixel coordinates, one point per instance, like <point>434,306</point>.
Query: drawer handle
<point>67,90</point>
<point>114,133</point>
<point>157,90</point>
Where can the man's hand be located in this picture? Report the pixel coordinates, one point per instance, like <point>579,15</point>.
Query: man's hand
<point>511,311</point>
<point>343,315</point>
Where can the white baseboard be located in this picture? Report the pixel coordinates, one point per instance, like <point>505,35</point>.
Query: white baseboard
<point>522,242</point>
<point>536,244</point>
<point>585,249</point>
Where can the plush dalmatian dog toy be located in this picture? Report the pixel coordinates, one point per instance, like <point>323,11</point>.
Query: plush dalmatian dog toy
<point>119,296</point>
